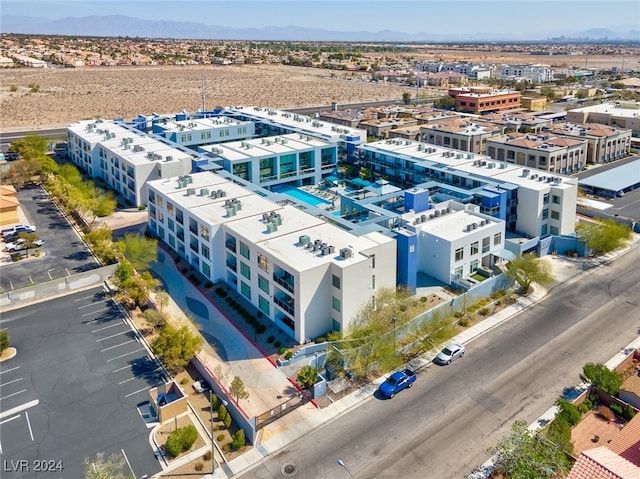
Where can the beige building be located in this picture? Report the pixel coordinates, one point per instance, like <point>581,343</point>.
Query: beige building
<point>380,128</point>
<point>462,133</point>
<point>543,152</point>
<point>604,143</point>
<point>621,115</point>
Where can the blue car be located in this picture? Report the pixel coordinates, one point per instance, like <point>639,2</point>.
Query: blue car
<point>397,382</point>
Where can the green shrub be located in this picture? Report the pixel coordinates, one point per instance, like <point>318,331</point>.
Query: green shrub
<point>270,339</point>
<point>220,437</point>
<point>282,350</point>
<point>198,466</point>
<point>602,377</point>
<point>226,447</point>
<point>4,340</point>
<point>458,314</point>
<point>465,321</point>
<point>208,284</point>
<point>207,456</point>
<point>289,355</point>
<point>227,421</point>
<point>628,412</point>
<point>483,312</point>
<point>559,433</point>
<point>184,381</point>
<point>222,412</point>
<point>321,339</point>
<point>181,440</point>
<point>423,299</point>
<point>277,345</point>
<point>261,328</point>
<point>219,291</point>
<point>569,412</point>
<point>214,402</point>
<point>616,408</point>
<point>238,440</point>
<point>142,207</point>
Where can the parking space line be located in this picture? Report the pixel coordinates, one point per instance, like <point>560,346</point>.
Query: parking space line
<point>138,391</point>
<point>117,345</point>
<point>106,327</point>
<point>113,335</point>
<point>12,394</point>
<point>11,382</point>
<point>83,298</point>
<point>127,380</point>
<point>128,366</point>
<point>93,303</point>
<point>94,312</point>
<point>8,370</point>
<point>10,419</point>
<point>26,415</point>
<point>125,354</point>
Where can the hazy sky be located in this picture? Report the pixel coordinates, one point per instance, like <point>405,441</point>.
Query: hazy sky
<point>409,16</point>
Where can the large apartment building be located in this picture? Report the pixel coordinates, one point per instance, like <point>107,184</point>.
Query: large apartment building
<point>203,131</point>
<point>546,152</point>
<point>294,158</point>
<point>306,275</point>
<point>462,133</point>
<point>125,158</point>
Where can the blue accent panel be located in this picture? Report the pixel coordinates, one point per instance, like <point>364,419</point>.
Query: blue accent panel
<point>196,164</point>
<point>181,116</point>
<point>416,200</point>
<point>407,259</point>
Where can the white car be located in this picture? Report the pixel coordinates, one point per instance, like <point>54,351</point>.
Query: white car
<point>20,244</point>
<point>18,229</point>
<point>450,353</point>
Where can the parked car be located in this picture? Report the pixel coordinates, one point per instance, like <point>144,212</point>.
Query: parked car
<point>450,353</point>
<point>397,382</point>
<point>17,229</point>
<point>21,244</point>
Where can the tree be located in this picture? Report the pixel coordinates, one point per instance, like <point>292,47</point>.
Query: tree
<point>307,376</point>
<point>181,440</point>
<point>527,269</point>
<point>109,468</point>
<point>569,412</point>
<point>549,92</point>
<point>239,440</point>
<point>4,340</point>
<point>237,389</point>
<point>521,455</point>
<point>406,98</point>
<point>103,247</point>
<point>176,347</point>
<point>29,240</point>
<point>603,237</point>
<point>446,102</point>
<point>602,377</point>
<point>139,250</point>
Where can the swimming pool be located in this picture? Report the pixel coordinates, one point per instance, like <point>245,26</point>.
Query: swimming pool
<point>300,195</point>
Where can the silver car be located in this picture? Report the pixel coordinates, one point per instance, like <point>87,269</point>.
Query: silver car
<point>450,353</point>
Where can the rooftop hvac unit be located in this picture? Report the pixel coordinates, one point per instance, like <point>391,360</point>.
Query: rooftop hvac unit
<point>443,211</point>
<point>204,191</point>
<point>272,227</point>
<point>550,179</point>
<point>436,213</point>
<point>231,210</point>
<point>265,217</point>
<point>423,218</point>
<point>182,184</point>
<point>213,194</point>
<point>332,249</point>
<point>417,221</point>
<point>304,239</point>
<point>484,163</point>
<point>325,250</point>
<point>346,253</point>
<point>525,172</point>
<point>474,226</point>
<point>191,191</point>
<point>503,166</point>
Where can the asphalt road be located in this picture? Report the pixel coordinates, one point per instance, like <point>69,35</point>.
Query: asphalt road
<point>65,253</point>
<point>442,427</point>
<point>77,382</point>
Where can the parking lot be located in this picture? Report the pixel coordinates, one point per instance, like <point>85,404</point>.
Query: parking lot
<point>78,386</point>
<point>64,251</point>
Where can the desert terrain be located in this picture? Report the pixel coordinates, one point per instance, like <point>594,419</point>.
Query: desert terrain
<point>66,95</point>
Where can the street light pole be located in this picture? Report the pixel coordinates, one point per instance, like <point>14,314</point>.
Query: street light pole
<point>342,464</point>
<point>213,447</point>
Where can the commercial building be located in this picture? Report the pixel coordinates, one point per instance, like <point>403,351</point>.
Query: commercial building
<point>544,152</point>
<point>304,274</point>
<point>294,158</point>
<point>462,133</point>
<point>479,100</point>
<point>620,115</point>
<point>380,128</point>
<point>125,158</point>
<point>532,73</point>
<point>604,143</point>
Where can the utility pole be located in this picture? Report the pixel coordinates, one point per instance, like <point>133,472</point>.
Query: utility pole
<point>204,97</point>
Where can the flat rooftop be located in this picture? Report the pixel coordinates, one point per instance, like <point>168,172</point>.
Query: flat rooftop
<point>449,225</point>
<point>615,179</point>
<point>198,124</point>
<point>624,109</point>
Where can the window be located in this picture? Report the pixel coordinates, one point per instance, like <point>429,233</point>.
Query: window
<point>373,261</point>
<point>204,232</point>
<point>263,263</point>
<point>556,199</point>
<point>206,269</point>
<point>245,289</point>
<point>245,270</point>
<point>497,239</point>
<point>553,230</point>
<point>543,230</point>
<point>263,304</point>
<point>545,213</point>
<point>172,241</point>
<point>545,199</point>
<point>474,267</point>
<point>263,283</point>
<point>170,208</point>
<point>459,254</point>
<point>555,215</point>
<point>335,280</point>
<point>335,303</point>
<point>204,251</point>
<point>373,281</point>
<point>475,247</point>
<point>244,250</point>
<point>171,224</point>
<point>458,272</point>
<point>486,244</point>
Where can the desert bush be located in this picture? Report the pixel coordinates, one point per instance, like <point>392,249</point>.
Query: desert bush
<point>227,421</point>
<point>606,412</point>
<point>214,402</point>
<point>181,440</point>
<point>289,355</point>
<point>464,321</point>
<point>198,466</point>
<point>238,440</point>
<point>222,412</point>
<point>206,456</point>
<point>483,311</point>
<point>220,437</point>
<point>282,350</point>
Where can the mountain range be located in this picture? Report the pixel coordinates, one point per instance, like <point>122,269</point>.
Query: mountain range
<point>124,26</point>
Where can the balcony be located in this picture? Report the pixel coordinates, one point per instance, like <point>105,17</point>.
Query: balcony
<point>180,236</point>
<point>285,303</point>
<point>231,246</point>
<point>232,265</point>
<point>286,281</point>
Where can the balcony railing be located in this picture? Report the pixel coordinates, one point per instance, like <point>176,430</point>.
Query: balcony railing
<point>231,246</point>
<point>232,266</point>
<point>286,282</point>
<point>285,304</point>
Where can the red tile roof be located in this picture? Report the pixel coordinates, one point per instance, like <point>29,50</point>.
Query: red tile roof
<point>601,463</point>
<point>627,442</point>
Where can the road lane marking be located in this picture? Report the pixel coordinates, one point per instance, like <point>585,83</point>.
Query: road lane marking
<point>11,382</point>
<point>125,354</point>
<point>138,391</point>
<point>13,394</point>
<point>106,327</point>
<point>7,370</point>
<point>117,345</point>
<point>113,335</point>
